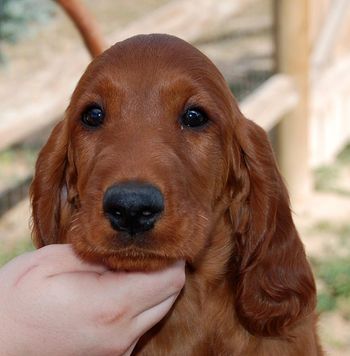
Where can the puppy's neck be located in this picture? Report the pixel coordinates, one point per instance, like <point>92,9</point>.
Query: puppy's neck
<point>193,321</point>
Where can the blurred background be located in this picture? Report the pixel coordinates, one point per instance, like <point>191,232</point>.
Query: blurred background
<point>288,64</point>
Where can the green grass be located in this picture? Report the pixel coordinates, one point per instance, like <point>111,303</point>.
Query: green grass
<point>333,271</point>
<point>335,276</point>
<point>6,254</point>
<point>327,177</point>
<point>342,230</point>
<point>24,153</point>
<point>344,155</point>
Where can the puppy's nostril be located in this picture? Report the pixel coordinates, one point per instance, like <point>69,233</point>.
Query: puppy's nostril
<point>133,207</point>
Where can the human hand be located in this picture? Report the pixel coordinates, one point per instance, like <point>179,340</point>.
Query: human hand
<point>52,303</point>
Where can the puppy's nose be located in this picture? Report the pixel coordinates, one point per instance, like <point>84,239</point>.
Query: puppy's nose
<point>133,207</point>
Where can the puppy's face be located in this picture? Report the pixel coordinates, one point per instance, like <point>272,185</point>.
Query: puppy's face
<point>147,132</point>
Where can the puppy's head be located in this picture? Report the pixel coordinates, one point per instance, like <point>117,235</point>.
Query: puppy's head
<point>134,175</point>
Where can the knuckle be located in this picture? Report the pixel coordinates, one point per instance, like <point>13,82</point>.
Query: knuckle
<point>112,316</point>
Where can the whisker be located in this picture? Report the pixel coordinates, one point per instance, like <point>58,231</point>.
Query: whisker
<point>74,227</point>
<point>203,217</point>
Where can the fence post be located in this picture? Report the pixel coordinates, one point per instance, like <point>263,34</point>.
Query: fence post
<point>293,58</point>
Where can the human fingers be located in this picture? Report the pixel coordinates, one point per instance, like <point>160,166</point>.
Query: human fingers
<point>151,316</point>
<point>62,259</point>
<point>144,290</point>
<point>131,348</point>
<point>47,262</point>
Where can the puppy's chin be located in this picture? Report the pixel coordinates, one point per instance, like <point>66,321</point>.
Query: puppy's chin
<point>128,260</point>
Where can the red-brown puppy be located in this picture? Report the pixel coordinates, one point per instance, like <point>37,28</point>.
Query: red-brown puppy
<point>153,163</point>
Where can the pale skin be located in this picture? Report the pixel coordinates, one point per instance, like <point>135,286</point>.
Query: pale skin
<point>53,303</point>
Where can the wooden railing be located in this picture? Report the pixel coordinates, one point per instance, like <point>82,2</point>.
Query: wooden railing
<point>271,101</point>
<point>282,98</point>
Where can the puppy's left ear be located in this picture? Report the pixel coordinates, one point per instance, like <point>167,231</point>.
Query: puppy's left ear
<point>52,190</point>
<point>275,286</point>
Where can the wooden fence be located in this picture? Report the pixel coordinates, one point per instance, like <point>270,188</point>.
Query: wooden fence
<point>309,112</point>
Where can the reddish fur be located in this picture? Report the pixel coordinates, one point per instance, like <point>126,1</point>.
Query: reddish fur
<point>249,287</point>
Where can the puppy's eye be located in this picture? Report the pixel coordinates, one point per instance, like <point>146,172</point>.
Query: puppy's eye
<point>93,116</point>
<point>194,117</point>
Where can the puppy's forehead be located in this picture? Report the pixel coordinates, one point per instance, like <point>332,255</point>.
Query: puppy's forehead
<point>151,56</point>
<point>152,67</point>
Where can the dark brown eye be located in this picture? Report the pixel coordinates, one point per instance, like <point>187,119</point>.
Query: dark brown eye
<point>93,116</point>
<point>194,117</point>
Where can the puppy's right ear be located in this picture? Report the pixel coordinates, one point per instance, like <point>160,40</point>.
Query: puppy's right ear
<point>49,189</point>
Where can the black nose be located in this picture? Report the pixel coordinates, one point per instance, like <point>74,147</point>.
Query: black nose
<point>133,207</point>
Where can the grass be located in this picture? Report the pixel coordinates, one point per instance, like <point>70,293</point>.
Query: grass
<point>7,254</point>
<point>341,230</point>
<point>15,163</point>
<point>24,153</point>
<point>334,273</point>
<point>344,155</point>
<point>327,178</point>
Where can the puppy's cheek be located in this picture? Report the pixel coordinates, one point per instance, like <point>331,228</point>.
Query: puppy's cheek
<point>87,227</point>
<point>186,235</point>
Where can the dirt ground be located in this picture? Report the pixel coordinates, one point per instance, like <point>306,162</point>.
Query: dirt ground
<point>318,218</point>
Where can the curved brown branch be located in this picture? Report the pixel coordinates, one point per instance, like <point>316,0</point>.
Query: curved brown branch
<point>86,25</point>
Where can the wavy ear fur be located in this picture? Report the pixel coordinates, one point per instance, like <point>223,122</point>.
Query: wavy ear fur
<point>275,286</point>
<point>50,196</point>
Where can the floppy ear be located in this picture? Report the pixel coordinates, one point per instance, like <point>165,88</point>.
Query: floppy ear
<point>52,189</point>
<point>275,286</point>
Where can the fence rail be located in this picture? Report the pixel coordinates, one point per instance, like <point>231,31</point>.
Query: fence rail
<point>278,97</point>
<point>271,101</point>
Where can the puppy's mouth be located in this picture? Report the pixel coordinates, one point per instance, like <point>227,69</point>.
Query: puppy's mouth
<point>134,233</point>
<point>131,258</point>
<point>132,210</point>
